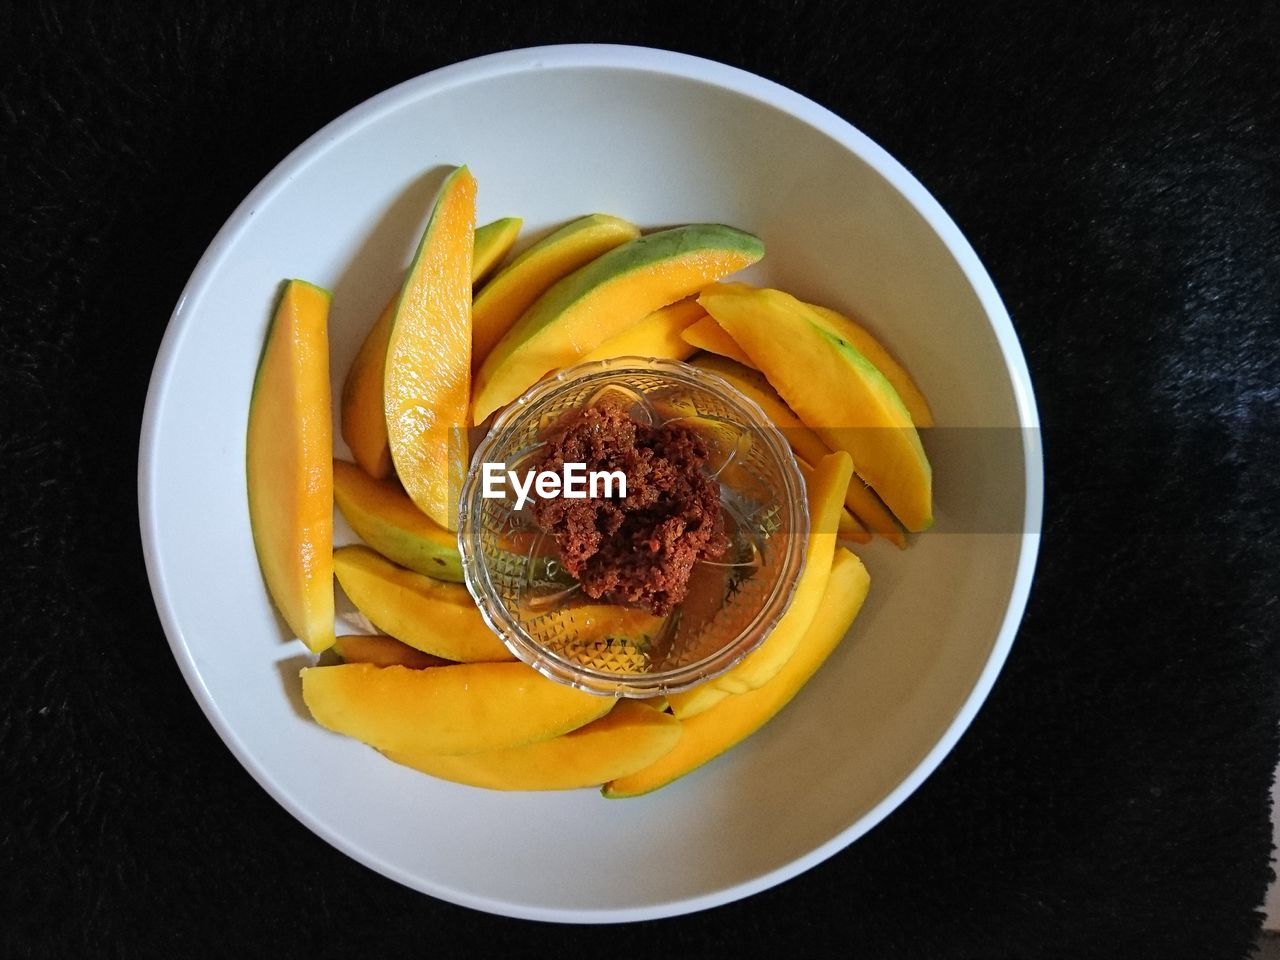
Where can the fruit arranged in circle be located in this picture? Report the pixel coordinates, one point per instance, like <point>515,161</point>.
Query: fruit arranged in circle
<point>437,690</point>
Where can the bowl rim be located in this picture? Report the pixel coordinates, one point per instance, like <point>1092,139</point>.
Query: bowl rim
<point>641,60</point>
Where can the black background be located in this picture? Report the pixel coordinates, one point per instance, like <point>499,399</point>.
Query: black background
<point>1119,174</point>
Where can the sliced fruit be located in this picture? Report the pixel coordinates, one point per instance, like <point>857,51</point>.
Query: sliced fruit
<point>731,721</point>
<point>825,495</point>
<point>864,504</point>
<point>288,465</point>
<point>603,622</point>
<point>364,419</point>
<point>605,297</point>
<point>464,708</point>
<point>427,378</point>
<point>690,703</point>
<point>599,632</point>
<point>385,652</point>
<point>847,525</point>
<point>806,444</point>
<point>514,289</point>
<point>629,738</point>
<point>874,515</point>
<point>493,241</point>
<point>658,335</point>
<point>873,350</point>
<point>708,335</point>
<point>834,390</point>
<point>384,517</point>
<point>431,616</point>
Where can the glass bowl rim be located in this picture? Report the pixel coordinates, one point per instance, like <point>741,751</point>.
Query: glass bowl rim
<point>677,679</point>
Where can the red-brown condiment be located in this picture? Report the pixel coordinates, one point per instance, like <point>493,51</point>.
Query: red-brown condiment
<point>640,548</point>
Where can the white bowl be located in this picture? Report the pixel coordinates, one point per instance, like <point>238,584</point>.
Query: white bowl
<point>658,138</point>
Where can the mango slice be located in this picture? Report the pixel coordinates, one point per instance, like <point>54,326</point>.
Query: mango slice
<point>504,298</point>
<point>847,525</point>
<point>825,495</point>
<point>690,703</point>
<point>808,446</point>
<point>364,420</point>
<point>464,708</point>
<point>384,517</point>
<point>731,721</point>
<point>288,465</point>
<point>384,652</point>
<point>874,515</point>
<point>659,335</point>
<point>835,391</point>
<point>631,737</point>
<point>708,335</point>
<point>871,348</point>
<point>427,378</point>
<point>493,241</point>
<point>605,297</point>
<point>431,616</point>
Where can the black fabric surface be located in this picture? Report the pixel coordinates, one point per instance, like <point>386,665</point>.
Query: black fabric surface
<point>1119,174</point>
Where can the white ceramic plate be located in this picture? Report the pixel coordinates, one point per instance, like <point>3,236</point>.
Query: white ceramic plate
<point>659,138</point>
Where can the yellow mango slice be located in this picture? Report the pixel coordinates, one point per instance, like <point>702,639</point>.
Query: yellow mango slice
<point>825,495</point>
<point>834,390</point>
<point>629,738</point>
<point>595,632</point>
<point>364,420</point>
<point>874,515</point>
<point>427,378</point>
<point>808,446</point>
<point>464,708</point>
<point>509,294</point>
<point>384,652</point>
<point>605,297</point>
<point>708,335</point>
<point>493,241</point>
<point>735,718</point>
<point>288,467</point>
<point>690,703</point>
<point>871,348</point>
<point>659,335</point>
<point>384,517</point>
<point>431,616</point>
<point>847,525</point>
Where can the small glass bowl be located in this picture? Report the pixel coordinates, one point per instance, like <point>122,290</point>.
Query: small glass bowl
<point>538,610</point>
